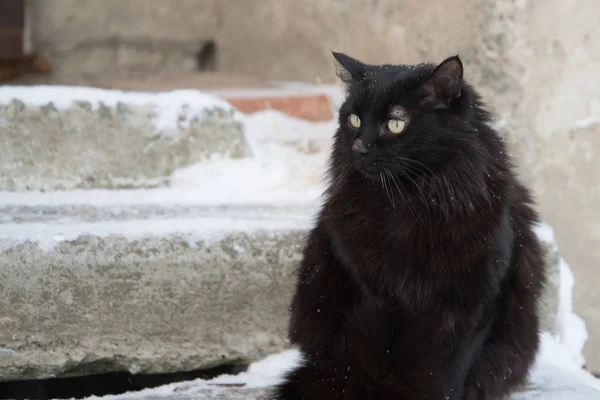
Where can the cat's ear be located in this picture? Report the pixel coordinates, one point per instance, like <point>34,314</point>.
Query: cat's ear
<point>444,84</point>
<point>348,69</point>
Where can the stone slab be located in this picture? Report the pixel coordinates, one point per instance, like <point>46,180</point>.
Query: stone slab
<point>164,295</point>
<point>63,138</point>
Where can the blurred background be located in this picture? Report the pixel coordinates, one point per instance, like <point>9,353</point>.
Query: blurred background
<point>537,64</point>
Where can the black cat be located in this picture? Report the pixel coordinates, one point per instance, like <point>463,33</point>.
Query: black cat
<point>421,277</point>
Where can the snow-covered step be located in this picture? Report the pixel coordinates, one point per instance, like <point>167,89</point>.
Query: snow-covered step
<point>57,138</point>
<point>144,289</point>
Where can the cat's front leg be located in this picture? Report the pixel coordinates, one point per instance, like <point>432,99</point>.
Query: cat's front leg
<point>325,296</point>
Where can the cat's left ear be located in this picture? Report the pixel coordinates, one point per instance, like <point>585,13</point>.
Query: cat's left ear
<point>444,84</point>
<point>348,69</point>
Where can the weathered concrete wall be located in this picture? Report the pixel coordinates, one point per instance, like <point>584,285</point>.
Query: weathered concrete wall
<point>535,61</point>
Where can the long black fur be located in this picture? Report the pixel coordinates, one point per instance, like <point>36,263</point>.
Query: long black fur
<point>421,277</point>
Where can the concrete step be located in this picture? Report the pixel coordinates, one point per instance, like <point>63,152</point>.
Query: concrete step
<point>144,289</point>
<point>65,138</point>
<point>60,138</point>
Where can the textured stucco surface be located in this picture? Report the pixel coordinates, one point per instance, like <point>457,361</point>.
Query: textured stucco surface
<point>87,146</point>
<point>158,304</point>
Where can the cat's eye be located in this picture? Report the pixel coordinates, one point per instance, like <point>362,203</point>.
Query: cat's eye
<point>354,120</point>
<point>396,125</point>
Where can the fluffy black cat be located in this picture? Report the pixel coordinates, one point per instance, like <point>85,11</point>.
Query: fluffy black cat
<point>421,277</point>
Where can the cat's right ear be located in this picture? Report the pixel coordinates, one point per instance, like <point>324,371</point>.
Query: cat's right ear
<point>348,69</point>
<point>444,84</point>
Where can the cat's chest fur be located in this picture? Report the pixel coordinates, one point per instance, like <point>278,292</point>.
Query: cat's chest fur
<point>422,264</point>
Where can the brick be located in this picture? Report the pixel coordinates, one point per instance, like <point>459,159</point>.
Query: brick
<point>314,107</point>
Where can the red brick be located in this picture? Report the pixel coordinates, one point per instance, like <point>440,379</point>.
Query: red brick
<point>314,107</point>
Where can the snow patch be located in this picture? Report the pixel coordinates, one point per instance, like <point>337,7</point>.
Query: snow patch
<point>544,233</point>
<point>289,155</point>
<point>585,122</point>
<point>207,194</point>
<point>288,166</point>
<point>571,328</point>
<point>554,354</point>
<point>174,110</point>
<point>191,230</point>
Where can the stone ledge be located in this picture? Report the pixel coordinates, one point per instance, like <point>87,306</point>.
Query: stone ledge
<point>60,138</point>
<point>171,295</point>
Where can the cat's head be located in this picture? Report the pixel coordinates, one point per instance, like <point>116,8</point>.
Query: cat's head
<point>404,119</point>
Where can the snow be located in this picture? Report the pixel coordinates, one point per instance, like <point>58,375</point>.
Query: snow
<point>555,356</point>
<point>287,167</point>
<point>585,122</point>
<point>288,163</point>
<point>209,193</point>
<point>544,233</point>
<point>174,110</point>
<point>192,230</point>
<point>572,331</point>
<point>571,328</point>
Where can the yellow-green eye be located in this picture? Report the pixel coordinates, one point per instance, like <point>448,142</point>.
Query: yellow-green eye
<point>396,125</point>
<point>354,120</point>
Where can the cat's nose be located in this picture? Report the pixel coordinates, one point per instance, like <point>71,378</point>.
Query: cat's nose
<point>358,146</point>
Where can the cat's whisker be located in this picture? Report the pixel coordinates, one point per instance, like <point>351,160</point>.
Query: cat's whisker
<point>340,178</point>
<point>429,187</point>
<point>421,195</point>
<point>420,164</point>
<point>396,184</point>
<point>391,194</point>
<point>384,184</point>
<point>393,199</point>
<point>406,199</point>
<point>419,172</point>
